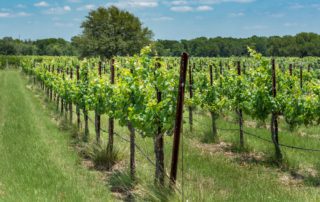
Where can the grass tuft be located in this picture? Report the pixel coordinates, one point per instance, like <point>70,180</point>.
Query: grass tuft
<point>103,159</point>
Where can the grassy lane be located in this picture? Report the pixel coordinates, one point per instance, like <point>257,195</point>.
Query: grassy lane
<point>36,162</point>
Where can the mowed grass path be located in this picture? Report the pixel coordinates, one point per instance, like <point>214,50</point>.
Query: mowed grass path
<point>36,160</point>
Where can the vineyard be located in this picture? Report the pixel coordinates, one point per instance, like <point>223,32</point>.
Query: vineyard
<point>177,114</point>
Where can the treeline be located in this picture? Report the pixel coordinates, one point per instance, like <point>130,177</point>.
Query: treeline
<point>300,45</point>
<point>51,47</point>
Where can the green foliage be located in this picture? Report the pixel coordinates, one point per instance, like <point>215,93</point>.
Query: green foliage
<point>111,32</point>
<point>53,47</point>
<point>300,45</point>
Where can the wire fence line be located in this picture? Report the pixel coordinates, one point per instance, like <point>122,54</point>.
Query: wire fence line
<point>143,153</point>
<point>259,137</point>
<point>244,131</point>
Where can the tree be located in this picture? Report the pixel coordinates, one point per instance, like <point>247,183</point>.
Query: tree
<point>7,46</point>
<point>110,32</point>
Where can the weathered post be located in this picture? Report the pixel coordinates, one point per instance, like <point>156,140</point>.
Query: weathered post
<point>191,95</point>
<point>240,111</point>
<point>77,107</point>
<point>70,102</point>
<point>111,119</point>
<point>178,122</point>
<point>159,142</point>
<point>97,116</point>
<point>274,119</point>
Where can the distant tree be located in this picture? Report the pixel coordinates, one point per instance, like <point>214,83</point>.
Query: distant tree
<point>55,47</point>
<point>7,46</point>
<point>110,32</point>
<point>301,45</point>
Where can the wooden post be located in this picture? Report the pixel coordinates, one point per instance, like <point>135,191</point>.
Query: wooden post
<point>111,119</point>
<point>132,143</point>
<point>274,119</point>
<point>191,96</point>
<point>301,76</point>
<point>53,94</point>
<point>49,87</point>
<point>97,116</point>
<point>70,103</point>
<point>211,75</point>
<point>240,112</point>
<point>214,116</point>
<point>62,100</point>
<point>77,107</point>
<point>159,142</point>
<point>58,97</point>
<point>85,111</point>
<point>132,151</point>
<point>65,100</point>
<point>178,122</point>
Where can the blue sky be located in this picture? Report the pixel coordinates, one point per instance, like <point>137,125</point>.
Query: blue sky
<point>179,19</point>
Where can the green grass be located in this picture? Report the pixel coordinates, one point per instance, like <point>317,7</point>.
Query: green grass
<point>36,160</point>
<point>208,175</point>
<point>216,177</point>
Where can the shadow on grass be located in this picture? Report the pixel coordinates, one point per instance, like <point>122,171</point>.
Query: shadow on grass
<point>313,181</point>
<point>310,177</point>
<point>126,189</point>
<point>122,185</point>
<point>159,193</point>
<point>207,137</point>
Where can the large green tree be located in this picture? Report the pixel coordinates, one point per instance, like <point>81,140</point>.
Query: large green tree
<point>110,31</point>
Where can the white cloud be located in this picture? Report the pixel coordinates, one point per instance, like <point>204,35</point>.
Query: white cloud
<point>223,1</point>
<point>77,19</point>
<point>256,27</point>
<point>86,7</point>
<point>21,6</point>
<point>178,3</point>
<point>125,4</point>
<point>67,8</point>
<point>63,24</point>
<point>55,19</point>
<point>293,24</point>
<point>13,15</point>
<point>277,15</point>
<point>41,4</point>
<point>57,10</point>
<point>74,1</point>
<point>240,1</point>
<point>4,14</point>
<point>239,14</point>
<point>296,6</point>
<point>23,14</point>
<point>181,8</point>
<point>163,18</point>
<point>316,6</point>
<point>5,10</point>
<point>204,8</point>
<point>145,4</point>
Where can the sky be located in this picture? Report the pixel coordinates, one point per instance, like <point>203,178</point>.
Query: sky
<point>179,19</point>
